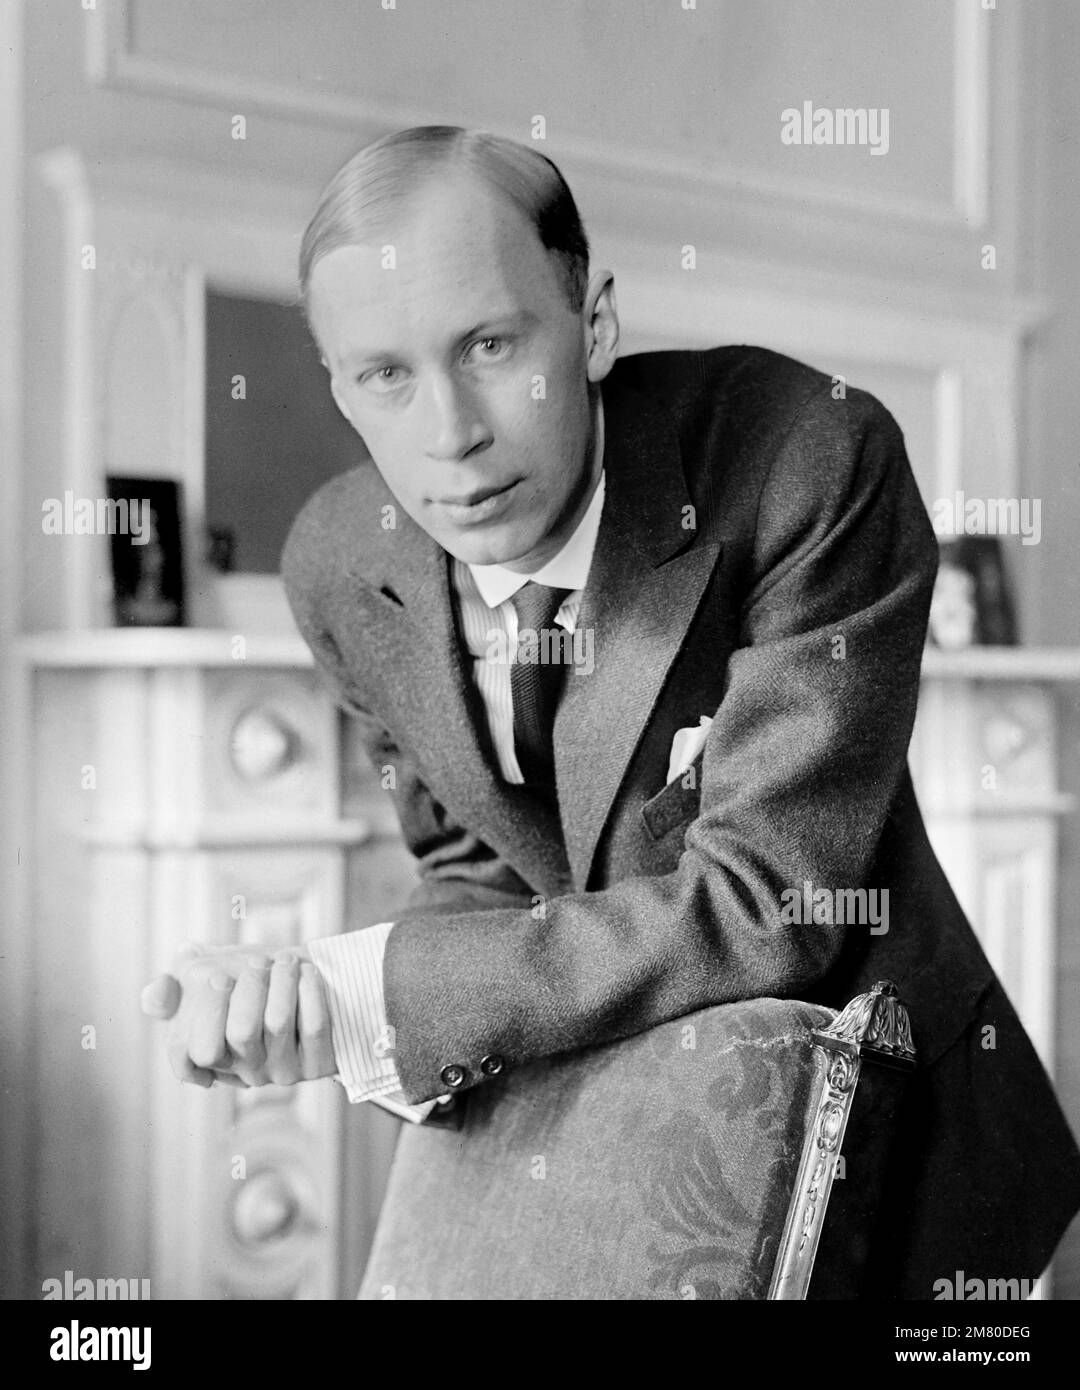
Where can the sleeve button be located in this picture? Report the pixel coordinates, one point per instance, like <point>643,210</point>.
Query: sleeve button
<point>493,1065</point>
<point>454,1076</point>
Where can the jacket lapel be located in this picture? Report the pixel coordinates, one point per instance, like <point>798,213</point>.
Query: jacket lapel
<point>648,575</point>
<point>441,718</point>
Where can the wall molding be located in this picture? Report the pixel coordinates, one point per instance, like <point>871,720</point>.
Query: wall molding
<point>113,61</point>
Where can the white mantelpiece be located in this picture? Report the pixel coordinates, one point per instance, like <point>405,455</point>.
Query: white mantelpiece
<point>188,786</point>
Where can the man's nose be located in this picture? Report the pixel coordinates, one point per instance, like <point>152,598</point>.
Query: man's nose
<point>455,426</point>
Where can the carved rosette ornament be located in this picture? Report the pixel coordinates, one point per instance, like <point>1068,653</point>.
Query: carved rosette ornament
<point>263,745</point>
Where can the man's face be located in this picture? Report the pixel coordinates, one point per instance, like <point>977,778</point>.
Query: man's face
<point>461,364</point>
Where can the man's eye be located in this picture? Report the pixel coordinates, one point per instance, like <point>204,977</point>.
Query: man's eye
<point>381,378</point>
<point>489,349</point>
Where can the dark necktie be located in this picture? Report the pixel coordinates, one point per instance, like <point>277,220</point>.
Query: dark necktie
<point>536,679</point>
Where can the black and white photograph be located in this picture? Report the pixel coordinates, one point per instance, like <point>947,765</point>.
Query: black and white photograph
<point>539,665</point>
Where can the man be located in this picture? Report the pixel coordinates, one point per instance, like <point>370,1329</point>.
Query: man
<point>738,560</point>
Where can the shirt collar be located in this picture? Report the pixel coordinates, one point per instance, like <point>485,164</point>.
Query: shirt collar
<point>569,569</point>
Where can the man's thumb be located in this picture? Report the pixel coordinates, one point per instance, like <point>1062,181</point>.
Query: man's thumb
<point>161,997</point>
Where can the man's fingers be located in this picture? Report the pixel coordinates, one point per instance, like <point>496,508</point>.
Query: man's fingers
<point>244,1030</point>
<point>183,1067</point>
<point>161,997</point>
<point>279,1022</point>
<point>207,1016</point>
<point>313,1026</point>
<point>236,1017</point>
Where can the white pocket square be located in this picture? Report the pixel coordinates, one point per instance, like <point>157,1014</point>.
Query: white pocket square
<point>685,747</point>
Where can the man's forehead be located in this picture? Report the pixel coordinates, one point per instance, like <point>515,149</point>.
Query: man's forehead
<point>359,301</point>
<point>378,268</point>
<point>447,214</point>
<point>449,217</point>
<point>435,290</point>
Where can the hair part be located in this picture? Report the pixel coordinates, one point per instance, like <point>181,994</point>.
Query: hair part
<point>387,171</point>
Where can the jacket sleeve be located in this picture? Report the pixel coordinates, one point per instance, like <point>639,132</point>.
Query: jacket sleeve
<point>801,763</point>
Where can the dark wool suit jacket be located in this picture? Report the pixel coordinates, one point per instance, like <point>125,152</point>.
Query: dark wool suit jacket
<point>750,521</point>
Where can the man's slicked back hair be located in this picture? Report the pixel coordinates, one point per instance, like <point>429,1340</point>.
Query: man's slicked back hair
<point>366,188</point>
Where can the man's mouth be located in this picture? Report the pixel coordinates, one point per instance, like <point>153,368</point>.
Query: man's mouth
<point>480,505</point>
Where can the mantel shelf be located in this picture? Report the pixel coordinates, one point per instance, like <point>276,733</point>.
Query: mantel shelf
<point>210,647</point>
<point>1038,664</point>
<point>157,646</point>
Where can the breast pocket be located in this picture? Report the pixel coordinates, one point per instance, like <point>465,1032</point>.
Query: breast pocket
<point>675,803</point>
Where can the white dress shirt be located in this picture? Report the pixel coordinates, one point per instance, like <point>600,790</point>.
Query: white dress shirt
<point>351,964</point>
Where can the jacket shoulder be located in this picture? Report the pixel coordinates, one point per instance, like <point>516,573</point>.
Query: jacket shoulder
<point>343,512</point>
<point>753,423</point>
<point>692,382</point>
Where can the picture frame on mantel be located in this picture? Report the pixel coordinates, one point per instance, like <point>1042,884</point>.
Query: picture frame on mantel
<point>972,603</point>
<point>147,552</point>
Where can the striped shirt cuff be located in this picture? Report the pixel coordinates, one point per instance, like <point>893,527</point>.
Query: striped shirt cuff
<point>351,967</point>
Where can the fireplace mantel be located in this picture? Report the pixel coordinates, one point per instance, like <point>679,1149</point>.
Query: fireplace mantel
<point>192,786</point>
<point>142,648</point>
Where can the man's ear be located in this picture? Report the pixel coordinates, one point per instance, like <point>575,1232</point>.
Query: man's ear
<point>601,319</point>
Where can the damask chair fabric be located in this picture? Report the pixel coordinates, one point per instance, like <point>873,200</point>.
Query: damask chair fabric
<point>657,1167</point>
